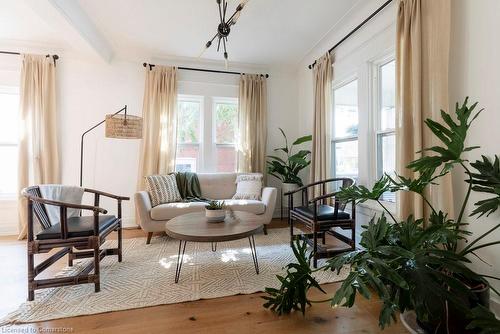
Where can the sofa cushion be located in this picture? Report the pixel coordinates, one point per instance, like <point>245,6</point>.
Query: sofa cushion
<point>171,210</point>
<point>247,205</point>
<point>217,185</point>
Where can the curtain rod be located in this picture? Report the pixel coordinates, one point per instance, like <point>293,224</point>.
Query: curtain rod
<point>356,29</point>
<point>202,70</point>
<point>54,57</point>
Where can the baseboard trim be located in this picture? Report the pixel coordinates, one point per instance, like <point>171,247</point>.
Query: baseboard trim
<point>128,222</point>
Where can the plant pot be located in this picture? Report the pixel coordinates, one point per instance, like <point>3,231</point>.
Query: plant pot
<point>457,319</point>
<point>297,197</point>
<point>215,216</point>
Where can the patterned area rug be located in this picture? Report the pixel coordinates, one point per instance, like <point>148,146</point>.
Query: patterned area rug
<point>146,277</point>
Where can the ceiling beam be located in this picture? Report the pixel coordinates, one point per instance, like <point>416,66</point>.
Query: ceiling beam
<point>81,22</point>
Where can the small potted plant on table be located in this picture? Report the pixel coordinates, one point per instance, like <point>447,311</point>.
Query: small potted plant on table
<point>215,211</point>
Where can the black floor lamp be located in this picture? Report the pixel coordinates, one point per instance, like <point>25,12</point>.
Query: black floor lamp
<point>117,126</point>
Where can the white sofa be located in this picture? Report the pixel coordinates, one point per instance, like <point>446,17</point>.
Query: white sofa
<point>219,186</point>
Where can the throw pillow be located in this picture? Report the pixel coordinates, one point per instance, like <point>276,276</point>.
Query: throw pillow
<point>162,189</point>
<point>248,186</point>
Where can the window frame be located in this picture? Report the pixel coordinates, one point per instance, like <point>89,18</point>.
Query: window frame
<point>200,144</point>
<point>10,90</point>
<point>334,139</point>
<point>207,145</point>
<point>215,145</point>
<point>378,133</point>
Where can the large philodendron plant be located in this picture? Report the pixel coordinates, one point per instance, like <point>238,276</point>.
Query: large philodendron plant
<point>287,169</point>
<point>414,264</point>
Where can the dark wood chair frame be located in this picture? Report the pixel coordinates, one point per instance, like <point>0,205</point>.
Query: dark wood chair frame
<point>319,228</point>
<point>87,247</point>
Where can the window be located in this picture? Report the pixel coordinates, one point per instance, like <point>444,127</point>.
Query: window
<point>189,133</point>
<point>9,134</point>
<point>385,86</point>
<point>226,125</point>
<point>345,130</point>
<point>206,134</point>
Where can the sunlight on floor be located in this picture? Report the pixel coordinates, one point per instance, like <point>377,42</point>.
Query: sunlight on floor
<point>231,254</point>
<point>172,260</point>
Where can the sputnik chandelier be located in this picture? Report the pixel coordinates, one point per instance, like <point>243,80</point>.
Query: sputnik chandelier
<point>224,27</point>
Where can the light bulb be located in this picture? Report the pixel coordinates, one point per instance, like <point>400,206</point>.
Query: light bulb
<point>235,18</point>
<point>209,43</point>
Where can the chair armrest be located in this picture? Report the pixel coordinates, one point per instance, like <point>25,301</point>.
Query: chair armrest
<point>322,197</point>
<point>64,204</point>
<point>312,185</point>
<point>102,193</point>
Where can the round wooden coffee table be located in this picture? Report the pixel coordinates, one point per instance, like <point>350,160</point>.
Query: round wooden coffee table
<point>195,228</point>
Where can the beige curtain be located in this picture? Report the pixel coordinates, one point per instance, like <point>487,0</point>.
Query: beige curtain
<point>320,157</point>
<point>252,123</point>
<point>38,146</point>
<point>422,57</point>
<point>159,123</point>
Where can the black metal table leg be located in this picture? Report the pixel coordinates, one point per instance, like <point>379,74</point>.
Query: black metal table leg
<point>253,249</point>
<point>214,246</point>
<point>180,259</point>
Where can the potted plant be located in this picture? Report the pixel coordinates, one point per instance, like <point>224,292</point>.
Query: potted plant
<point>287,168</point>
<point>215,211</point>
<point>416,265</point>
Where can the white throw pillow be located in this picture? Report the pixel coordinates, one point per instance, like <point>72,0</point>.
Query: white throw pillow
<point>162,189</point>
<point>248,186</point>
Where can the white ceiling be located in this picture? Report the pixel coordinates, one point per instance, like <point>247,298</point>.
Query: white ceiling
<point>268,32</point>
<point>18,22</point>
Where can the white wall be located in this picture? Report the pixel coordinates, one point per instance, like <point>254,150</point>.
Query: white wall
<point>475,72</point>
<point>87,91</point>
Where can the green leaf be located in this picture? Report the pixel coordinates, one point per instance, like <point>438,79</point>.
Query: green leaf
<point>288,168</point>
<point>483,320</point>
<point>452,135</point>
<point>284,149</point>
<point>302,140</point>
<point>361,194</point>
<point>486,180</point>
<point>276,158</point>
<point>292,294</point>
<point>284,136</point>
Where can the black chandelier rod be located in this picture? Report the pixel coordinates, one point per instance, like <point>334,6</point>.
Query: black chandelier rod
<point>203,70</point>
<point>356,29</point>
<point>54,57</point>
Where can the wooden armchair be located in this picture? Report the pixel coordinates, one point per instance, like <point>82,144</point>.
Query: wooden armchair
<point>320,217</point>
<point>84,234</point>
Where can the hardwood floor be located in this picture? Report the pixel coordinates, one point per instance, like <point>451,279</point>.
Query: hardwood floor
<point>236,314</point>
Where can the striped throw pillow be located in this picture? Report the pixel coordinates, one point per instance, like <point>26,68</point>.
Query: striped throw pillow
<point>162,189</point>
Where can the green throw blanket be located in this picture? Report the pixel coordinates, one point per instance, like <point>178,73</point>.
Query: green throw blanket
<point>189,187</point>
